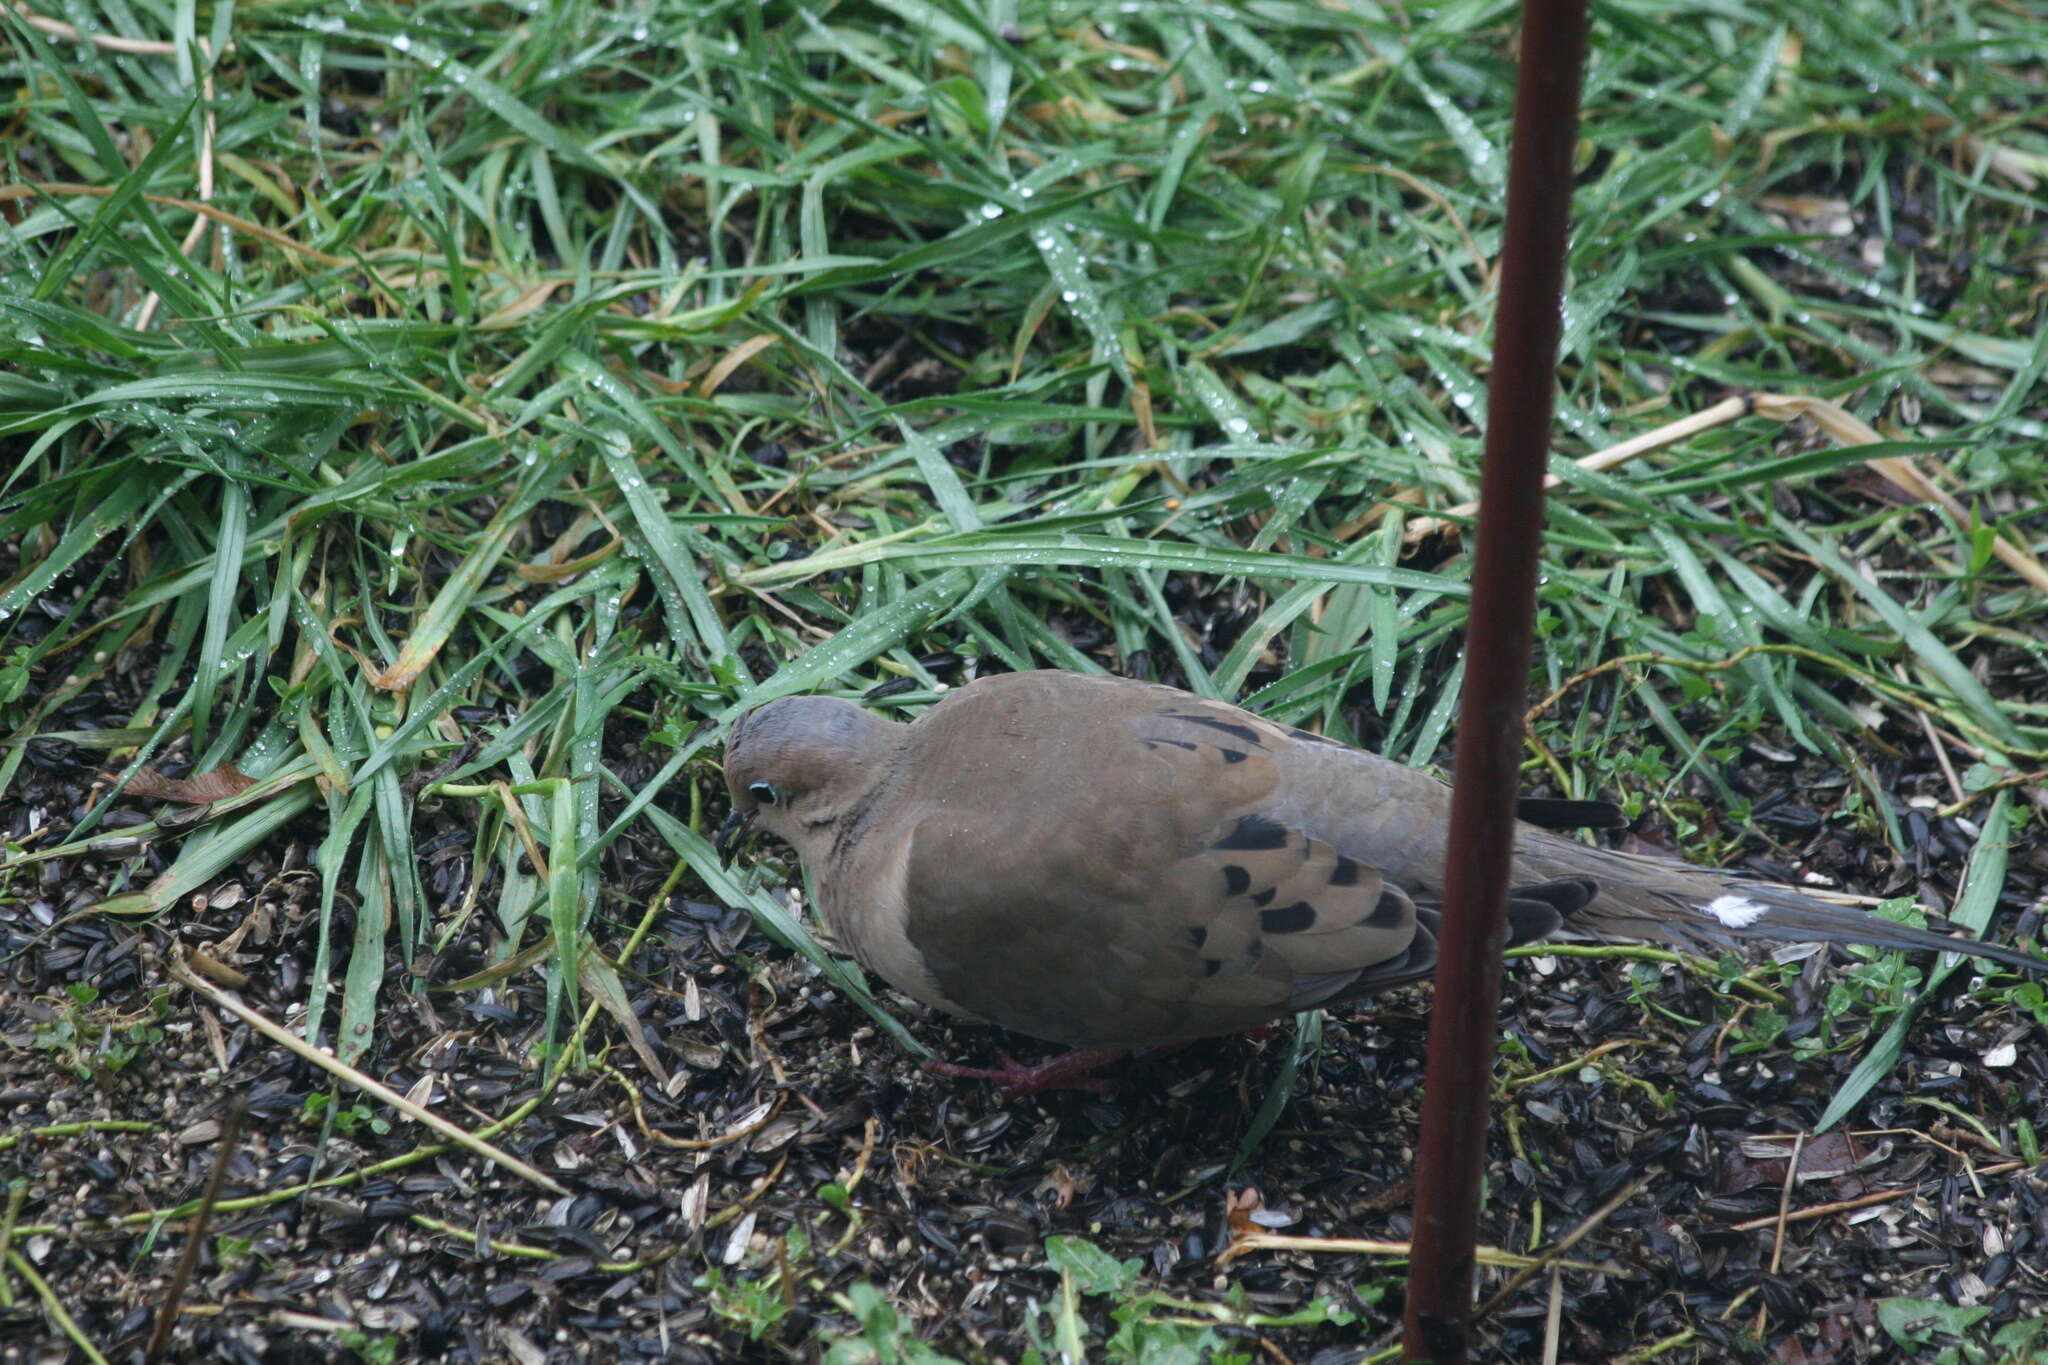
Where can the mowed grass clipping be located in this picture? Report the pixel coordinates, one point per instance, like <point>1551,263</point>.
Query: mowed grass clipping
<point>453,394</point>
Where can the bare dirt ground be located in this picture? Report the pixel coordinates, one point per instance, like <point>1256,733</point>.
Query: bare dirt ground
<point>793,1151</point>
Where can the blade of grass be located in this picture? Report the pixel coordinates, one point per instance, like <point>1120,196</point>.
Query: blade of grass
<point>1983,884</point>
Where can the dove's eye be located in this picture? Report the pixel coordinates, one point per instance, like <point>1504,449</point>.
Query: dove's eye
<point>765,793</point>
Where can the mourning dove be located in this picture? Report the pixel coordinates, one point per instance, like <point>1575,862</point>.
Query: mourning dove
<point>1113,864</point>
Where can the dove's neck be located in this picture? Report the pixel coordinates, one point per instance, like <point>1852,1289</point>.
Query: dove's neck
<point>869,750</point>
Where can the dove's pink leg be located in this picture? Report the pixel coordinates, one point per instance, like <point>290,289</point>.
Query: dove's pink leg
<point>1068,1071</point>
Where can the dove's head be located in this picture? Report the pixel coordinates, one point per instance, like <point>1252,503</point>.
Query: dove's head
<point>800,765</point>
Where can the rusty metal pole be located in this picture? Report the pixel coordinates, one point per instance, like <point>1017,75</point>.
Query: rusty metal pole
<point>1463,1020</point>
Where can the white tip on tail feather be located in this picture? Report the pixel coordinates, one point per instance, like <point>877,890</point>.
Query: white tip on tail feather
<point>1737,912</point>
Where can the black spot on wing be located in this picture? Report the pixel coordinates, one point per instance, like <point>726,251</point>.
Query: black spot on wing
<point>1236,881</point>
<point>1243,964</point>
<point>1553,813</point>
<point>1566,895</point>
<point>1529,921</point>
<point>1232,756</point>
<point>1244,733</point>
<point>1156,743</point>
<point>1310,737</point>
<point>1253,832</point>
<point>1288,919</point>
<point>1197,935</point>
<point>1346,872</point>
<point>1390,913</point>
<point>1264,897</point>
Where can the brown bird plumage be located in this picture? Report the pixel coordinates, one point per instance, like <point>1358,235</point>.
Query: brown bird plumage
<point>1114,864</point>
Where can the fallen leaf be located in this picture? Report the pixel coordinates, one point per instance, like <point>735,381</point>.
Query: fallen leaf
<point>218,784</point>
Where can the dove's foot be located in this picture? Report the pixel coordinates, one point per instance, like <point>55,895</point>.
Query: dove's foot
<point>1068,1071</point>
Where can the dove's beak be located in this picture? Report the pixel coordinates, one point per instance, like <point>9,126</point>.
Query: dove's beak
<point>731,832</point>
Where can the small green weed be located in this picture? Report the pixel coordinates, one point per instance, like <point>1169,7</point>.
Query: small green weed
<point>758,1306</point>
<point>1151,1328</point>
<point>1937,1333</point>
<point>93,1042</point>
<point>379,1348</point>
<point>232,1251</point>
<point>348,1119</point>
<point>883,1339</point>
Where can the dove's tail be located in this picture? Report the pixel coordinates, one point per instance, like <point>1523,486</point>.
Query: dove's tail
<point>1648,898</point>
